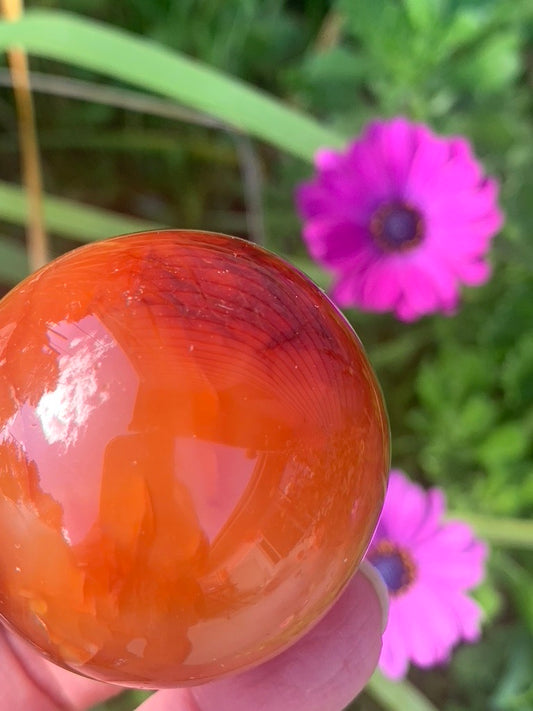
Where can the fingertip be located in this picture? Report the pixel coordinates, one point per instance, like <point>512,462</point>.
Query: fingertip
<point>323,671</point>
<point>28,681</point>
<point>375,579</point>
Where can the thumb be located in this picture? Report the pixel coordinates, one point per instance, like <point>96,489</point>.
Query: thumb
<point>323,671</point>
<point>30,683</point>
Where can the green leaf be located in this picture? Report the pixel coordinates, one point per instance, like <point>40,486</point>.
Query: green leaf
<point>517,370</point>
<point>476,416</point>
<point>386,32</point>
<point>397,696</point>
<point>519,582</point>
<point>506,444</point>
<point>493,66</point>
<point>68,218</point>
<point>515,686</point>
<point>329,79</point>
<point>491,600</point>
<point>492,675</point>
<point>452,376</point>
<point>127,701</point>
<point>423,14</point>
<point>464,27</point>
<point>143,63</point>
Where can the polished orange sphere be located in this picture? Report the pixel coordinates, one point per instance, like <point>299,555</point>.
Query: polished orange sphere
<point>193,456</point>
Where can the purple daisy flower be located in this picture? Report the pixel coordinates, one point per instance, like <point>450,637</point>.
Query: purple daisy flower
<point>402,218</point>
<point>427,566</point>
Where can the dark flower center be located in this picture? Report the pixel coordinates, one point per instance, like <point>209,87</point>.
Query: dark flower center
<point>397,227</point>
<point>395,565</point>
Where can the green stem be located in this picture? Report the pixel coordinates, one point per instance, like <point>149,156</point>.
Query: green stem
<point>397,696</point>
<point>506,532</point>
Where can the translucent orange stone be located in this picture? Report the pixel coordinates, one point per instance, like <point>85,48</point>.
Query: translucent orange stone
<point>193,453</point>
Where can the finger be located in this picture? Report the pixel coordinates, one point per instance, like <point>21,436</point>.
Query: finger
<point>29,682</point>
<point>324,671</point>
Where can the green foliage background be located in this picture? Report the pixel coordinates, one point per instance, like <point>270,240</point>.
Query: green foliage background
<point>459,390</point>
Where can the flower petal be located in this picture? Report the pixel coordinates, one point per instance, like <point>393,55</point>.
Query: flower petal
<point>397,165</point>
<point>430,155</point>
<point>333,242</point>
<point>394,142</point>
<point>394,660</point>
<point>468,615</point>
<point>429,612</point>
<point>430,627</point>
<point>419,295</point>
<point>408,511</point>
<point>451,563</point>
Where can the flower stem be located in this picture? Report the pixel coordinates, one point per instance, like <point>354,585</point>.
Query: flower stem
<point>506,532</point>
<point>330,32</point>
<point>397,695</point>
<point>37,243</point>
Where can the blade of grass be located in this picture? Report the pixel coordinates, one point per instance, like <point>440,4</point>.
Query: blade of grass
<point>127,701</point>
<point>146,64</point>
<point>397,696</point>
<point>249,163</point>
<point>68,218</point>
<point>518,581</point>
<point>83,223</point>
<point>113,96</point>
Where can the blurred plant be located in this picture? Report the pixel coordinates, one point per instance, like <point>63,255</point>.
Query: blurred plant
<point>402,217</point>
<point>473,418</point>
<point>422,58</point>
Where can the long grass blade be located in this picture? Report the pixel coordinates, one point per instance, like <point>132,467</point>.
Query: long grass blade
<point>69,219</point>
<point>154,68</point>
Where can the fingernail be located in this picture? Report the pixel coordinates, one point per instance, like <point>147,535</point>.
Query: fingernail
<point>379,586</point>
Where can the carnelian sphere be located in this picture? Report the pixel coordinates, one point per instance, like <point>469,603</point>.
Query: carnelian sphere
<point>193,456</point>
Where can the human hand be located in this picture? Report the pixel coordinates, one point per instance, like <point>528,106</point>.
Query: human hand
<point>323,671</point>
